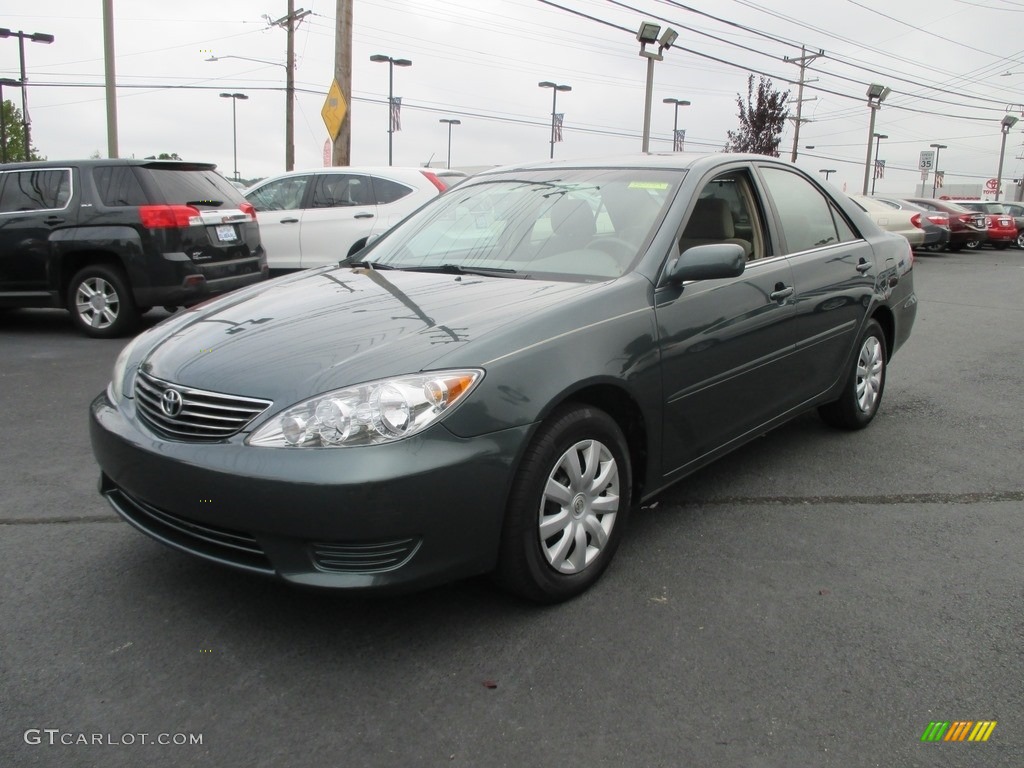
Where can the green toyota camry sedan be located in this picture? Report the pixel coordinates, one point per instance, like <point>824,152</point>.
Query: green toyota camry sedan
<point>492,385</point>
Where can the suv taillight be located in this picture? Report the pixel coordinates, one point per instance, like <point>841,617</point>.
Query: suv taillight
<point>248,210</point>
<point>433,179</point>
<point>167,216</point>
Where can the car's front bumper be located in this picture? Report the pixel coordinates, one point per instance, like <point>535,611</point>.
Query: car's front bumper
<point>404,515</point>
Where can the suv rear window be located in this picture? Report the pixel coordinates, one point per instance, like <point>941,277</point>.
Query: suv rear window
<point>193,187</point>
<point>35,190</point>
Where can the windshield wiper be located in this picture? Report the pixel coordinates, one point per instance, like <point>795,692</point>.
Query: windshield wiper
<point>458,269</point>
<point>362,263</point>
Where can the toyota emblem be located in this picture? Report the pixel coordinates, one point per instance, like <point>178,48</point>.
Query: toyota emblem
<point>170,402</point>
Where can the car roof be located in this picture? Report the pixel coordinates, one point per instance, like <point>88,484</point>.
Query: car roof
<point>183,165</point>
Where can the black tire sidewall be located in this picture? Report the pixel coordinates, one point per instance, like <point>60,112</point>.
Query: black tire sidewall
<point>845,412</point>
<point>127,313</point>
<point>522,566</point>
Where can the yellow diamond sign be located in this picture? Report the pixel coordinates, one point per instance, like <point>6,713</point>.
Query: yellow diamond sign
<point>334,110</point>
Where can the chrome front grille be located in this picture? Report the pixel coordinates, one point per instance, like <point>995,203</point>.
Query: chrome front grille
<point>185,413</point>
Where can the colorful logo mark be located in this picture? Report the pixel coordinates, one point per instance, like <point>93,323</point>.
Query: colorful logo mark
<point>959,730</point>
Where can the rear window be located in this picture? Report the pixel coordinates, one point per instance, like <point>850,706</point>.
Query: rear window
<point>387,191</point>
<point>203,188</point>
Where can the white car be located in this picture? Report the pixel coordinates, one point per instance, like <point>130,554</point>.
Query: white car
<point>902,222</point>
<point>312,218</point>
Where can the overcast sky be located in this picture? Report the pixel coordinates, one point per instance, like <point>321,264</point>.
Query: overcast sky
<point>480,61</point>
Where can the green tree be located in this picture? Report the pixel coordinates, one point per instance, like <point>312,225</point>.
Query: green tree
<point>164,156</point>
<point>14,148</point>
<point>761,120</point>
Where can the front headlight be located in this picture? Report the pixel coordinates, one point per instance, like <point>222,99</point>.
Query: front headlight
<point>119,386</point>
<point>368,414</point>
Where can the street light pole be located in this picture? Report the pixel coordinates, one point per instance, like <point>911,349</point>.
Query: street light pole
<point>554,108</point>
<point>1007,123</point>
<point>35,37</point>
<point>392,63</point>
<point>234,124</point>
<point>648,35</point>
<point>675,123</point>
<point>876,95</point>
<point>874,176</point>
<point>935,172</point>
<point>450,124</point>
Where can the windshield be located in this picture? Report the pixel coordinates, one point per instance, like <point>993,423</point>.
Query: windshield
<point>585,224</point>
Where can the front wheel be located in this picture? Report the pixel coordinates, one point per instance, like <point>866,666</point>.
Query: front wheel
<point>568,506</point>
<point>101,303</point>
<point>862,392</point>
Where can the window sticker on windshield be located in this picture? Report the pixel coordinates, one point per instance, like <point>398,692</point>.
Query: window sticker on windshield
<point>648,185</point>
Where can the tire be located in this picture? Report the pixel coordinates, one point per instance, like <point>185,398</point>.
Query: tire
<point>973,244</point>
<point>1020,239</point>
<point>955,248</point>
<point>862,392</point>
<point>935,247</point>
<point>100,303</point>
<point>574,485</point>
<point>1000,246</point>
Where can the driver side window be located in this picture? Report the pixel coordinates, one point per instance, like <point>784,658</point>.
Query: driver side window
<point>726,212</point>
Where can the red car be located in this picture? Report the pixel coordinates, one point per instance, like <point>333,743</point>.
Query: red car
<point>1002,230</point>
<point>965,226</point>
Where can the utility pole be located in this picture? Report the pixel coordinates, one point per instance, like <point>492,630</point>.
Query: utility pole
<point>110,76</point>
<point>802,62</point>
<point>341,153</point>
<point>287,23</point>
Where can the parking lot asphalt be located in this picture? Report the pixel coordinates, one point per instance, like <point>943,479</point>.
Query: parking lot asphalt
<point>815,599</point>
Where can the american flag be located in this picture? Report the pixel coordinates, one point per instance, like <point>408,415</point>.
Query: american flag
<point>939,176</point>
<point>396,113</point>
<point>557,125</point>
<point>879,169</point>
<point>677,140</point>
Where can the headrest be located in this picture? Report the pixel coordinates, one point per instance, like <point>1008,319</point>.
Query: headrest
<point>572,218</point>
<point>711,220</point>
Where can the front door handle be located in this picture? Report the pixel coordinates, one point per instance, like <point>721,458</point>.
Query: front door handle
<point>289,221</point>
<point>863,265</point>
<point>363,216</point>
<point>781,292</point>
<point>52,220</point>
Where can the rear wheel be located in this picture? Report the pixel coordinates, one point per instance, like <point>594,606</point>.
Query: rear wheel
<point>862,393</point>
<point>101,303</point>
<point>1020,239</point>
<point>568,506</point>
<point>935,247</point>
<point>973,244</point>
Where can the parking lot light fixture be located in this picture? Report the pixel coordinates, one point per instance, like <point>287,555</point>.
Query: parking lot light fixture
<point>935,171</point>
<point>1005,125</point>
<point>648,34</point>
<point>35,37</point>
<point>876,95</point>
<point>554,108</point>
<point>675,123</point>
<point>392,62</point>
<point>234,125</point>
<point>827,171</point>
<point>450,124</point>
<point>874,176</point>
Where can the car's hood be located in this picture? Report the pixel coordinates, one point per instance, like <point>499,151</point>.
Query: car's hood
<point>335,327</point>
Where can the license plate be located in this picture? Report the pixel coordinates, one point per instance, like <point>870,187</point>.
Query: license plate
<point>226,233</point>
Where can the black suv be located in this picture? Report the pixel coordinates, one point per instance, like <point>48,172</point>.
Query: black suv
<point>110,239</point>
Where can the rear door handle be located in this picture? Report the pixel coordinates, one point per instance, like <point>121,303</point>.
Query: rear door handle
<point>863,266</point>
<point>363,216</point>
<point>781,292</point>
<point>289,221</point>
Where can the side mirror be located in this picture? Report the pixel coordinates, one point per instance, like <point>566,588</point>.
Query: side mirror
<point>708,262</point>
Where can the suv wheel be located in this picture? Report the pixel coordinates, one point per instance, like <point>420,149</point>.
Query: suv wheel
<point>100,303</point>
